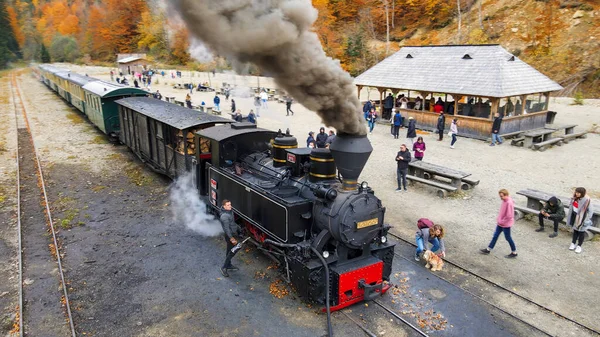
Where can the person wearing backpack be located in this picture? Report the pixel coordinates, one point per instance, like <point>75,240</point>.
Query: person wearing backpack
<point>429,233</point>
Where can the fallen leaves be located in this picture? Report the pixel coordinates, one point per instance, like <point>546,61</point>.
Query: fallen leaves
<point>278,289</point>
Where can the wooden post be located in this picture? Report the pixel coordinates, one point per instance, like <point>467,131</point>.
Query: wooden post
<point>424,94</point>
<point>495,103</point>
<point>381,92</point>
<point>359,89</point>
<point>395,92</point>
<point>523,99</point>
<point>547,95</point>
<point>456,99</point>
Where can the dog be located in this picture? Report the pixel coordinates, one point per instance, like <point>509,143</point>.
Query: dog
<point>433,261</point>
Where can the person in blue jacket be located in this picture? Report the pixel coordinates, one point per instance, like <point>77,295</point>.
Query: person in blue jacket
<point>217,101</point>
<point>252,117</point>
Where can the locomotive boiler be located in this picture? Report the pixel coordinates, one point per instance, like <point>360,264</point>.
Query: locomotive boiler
<point>303,207</point>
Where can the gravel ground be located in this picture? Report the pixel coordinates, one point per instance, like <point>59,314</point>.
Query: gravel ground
<point>545,270</point>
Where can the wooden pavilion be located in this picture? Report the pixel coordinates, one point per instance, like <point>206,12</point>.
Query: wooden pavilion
<point>470,82</point>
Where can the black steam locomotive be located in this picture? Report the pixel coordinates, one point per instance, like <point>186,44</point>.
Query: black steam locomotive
<point>323,228</point>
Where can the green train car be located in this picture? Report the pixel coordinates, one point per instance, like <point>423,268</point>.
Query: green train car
<point>100,106</point>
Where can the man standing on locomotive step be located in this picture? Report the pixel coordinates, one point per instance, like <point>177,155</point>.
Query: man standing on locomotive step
<point>231,229</point>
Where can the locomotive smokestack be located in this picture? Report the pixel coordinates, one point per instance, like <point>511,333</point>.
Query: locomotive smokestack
<point>350,153</point>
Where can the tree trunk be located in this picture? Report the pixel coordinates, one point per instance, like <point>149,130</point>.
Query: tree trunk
<point>393,12</point>
<point>480,15</point>
<point>387,26</point>
<point>459,21</point>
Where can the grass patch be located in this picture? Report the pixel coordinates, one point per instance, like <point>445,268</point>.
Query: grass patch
<point>114,156</point>
<point>72,157</point>
<point>136,176</point>
<point>99,139</point>
<point>75,118</point>
<point>98,188</point>
<point>2,146</point>
<point>67,222</point>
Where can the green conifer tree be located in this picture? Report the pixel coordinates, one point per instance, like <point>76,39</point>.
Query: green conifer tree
<point>45,55</point>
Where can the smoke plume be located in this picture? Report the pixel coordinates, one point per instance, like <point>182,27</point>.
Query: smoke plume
<point>276,36</point>
<point>188,209</point>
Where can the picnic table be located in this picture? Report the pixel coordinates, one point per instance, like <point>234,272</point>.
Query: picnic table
<point>537,136</point>
<point>536,200</point>
<point>425,172</point>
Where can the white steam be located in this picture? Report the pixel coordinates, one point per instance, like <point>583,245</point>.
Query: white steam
<point>189,210</point>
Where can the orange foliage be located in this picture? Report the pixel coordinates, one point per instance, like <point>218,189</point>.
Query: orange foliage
<point>181,45</point>
<point>14,24</point>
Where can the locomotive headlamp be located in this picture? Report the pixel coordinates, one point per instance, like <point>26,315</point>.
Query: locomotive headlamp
<point>383,239</point>
<point>364,185</point>
<point>325,254</point>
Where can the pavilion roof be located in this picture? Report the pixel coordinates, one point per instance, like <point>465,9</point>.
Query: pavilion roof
<point>474,70</point>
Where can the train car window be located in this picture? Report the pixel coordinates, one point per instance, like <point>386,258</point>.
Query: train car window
<point>159,130</point>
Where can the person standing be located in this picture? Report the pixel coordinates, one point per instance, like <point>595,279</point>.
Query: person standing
<point>453,132</point>
<point>112,75</point>
<point>552,210</point>
<point>402,158</point>
<point>188,101</point>
<point>496,130</point>
<point>230,230</point>
<point>227,92</point>
<point>441,125</point>
<point>310,139</point>
<point>579,218</point>
<point>233,105</point>
<point>330,138</point>
<point>367,108</point>
<point>264,97</point>
<point>257,105</point>
<point>217,102</point>
<point>419,148</point>
<point>371,119</point>
<point>504,221</point>
<point>288,105</point>
<point>388,104</point>
<point>411,132</point>
<point>321,138</point>
<point>396,122</point>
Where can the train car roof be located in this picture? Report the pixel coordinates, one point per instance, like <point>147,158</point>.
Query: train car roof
<point>222,132</point>
<point>52,68</point>
<point>76,78</point>
<point>169,113</point>
<point>107,89</point>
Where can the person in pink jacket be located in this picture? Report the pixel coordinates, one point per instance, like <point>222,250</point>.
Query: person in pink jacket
<point>505,220</point>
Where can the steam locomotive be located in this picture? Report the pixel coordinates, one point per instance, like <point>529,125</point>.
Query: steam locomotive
<point>303,207</point>
<point>299,211</point>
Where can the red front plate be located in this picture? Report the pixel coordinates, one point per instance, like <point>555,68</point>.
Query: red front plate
<point>349,291</point>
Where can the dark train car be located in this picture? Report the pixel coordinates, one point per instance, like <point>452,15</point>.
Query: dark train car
<point>100,106</point>
<point>162,134</point>
<point>73,88</point>
<point>296,208</point>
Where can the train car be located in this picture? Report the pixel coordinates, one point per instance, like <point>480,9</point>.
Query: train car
<point>299,210</point>
<point>74,84</point>
<point>50,77</point>
<point>162,134</point>
<point>100,106</point>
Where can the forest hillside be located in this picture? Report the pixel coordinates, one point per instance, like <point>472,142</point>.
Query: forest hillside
<point>561,38</point>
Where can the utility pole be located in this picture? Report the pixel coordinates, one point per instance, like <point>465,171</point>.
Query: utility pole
<point>459,21</point>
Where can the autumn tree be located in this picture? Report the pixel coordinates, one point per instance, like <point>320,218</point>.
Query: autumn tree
<point>180,46</point>
<point>153,35</point>
<point>8,44</point>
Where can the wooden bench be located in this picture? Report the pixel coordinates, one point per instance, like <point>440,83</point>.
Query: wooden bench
<point>542,146</point>
<point>179,102</point>
<point>443,189</point>
<point>512,134</point>
<point>518,141</point>
<point>470,182</point>
<point>178,86</point>
<point>572,136</point>
<point>536,200</point>
<point>569,129</point>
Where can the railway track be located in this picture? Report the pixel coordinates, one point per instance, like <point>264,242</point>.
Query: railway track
<point>523,300</point>
<point>33,220</point>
